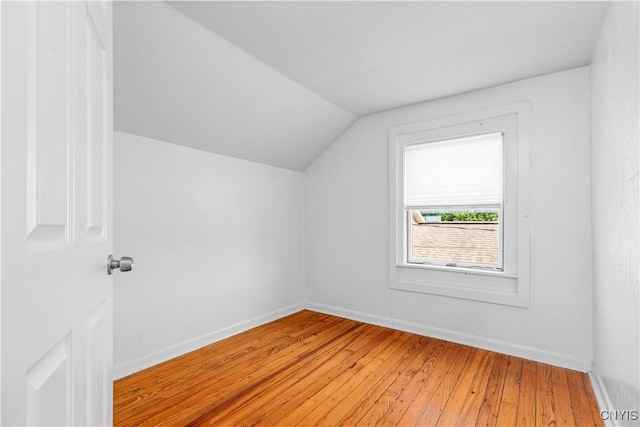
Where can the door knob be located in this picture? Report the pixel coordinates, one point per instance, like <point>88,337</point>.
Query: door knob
<point>124,264</point>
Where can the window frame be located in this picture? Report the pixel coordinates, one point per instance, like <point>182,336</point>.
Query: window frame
<point>509,286</point>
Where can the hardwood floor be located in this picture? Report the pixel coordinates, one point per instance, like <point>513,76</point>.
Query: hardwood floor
<point>314,369</point>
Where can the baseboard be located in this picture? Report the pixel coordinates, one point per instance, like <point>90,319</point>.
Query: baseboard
<point>460,338</point>
<point>128,368</point>
<point>602,397</point>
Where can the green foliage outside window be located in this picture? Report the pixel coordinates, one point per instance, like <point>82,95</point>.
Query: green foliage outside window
<point>464,216</point>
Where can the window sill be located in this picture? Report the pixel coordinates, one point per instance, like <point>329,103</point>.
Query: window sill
<point>486,286</point>
<point>465,270</point>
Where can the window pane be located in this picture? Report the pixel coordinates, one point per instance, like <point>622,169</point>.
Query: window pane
<point>461,171</point>
<point>459,237</point>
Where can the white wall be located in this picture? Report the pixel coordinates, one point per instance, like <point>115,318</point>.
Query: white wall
<point>346,223</point>
<point>616,207</point>
<point>217,244</point>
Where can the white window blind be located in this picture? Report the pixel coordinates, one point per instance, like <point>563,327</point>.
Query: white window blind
<point>460,171</point>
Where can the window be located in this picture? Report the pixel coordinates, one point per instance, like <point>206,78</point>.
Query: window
<point>453,196</point>
<point>459,206</point>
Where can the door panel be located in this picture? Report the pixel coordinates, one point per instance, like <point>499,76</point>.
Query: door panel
<point>96,366</point>
<point>96,57</point>
<point>48,131</point>
<point>56,213</point>
<point>48,387</point>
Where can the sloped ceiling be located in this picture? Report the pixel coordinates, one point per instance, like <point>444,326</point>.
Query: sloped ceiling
<point>373,56</point>
<point>176,81</point>
<point>278,82</point>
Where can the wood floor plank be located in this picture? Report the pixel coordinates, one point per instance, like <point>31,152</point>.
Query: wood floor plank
<point>230,348</point>
<point>526,415</point>
<point>545,405</point>
<point>252,398</point>
<point>591,397</point>
<point>380,410</point>
<point>511,393</point>
<point>474,394</point>
<point>319,398</point>
<point>378,384</point>
<point>562,398</point>
<point>440,397</point>
<point>320,384</point>
<point>507,415</point>
<point>230,379</point>
<point>434,411</point>
<point>315,369</point>
<point>253,377</point>
<point>432,372</point>
<point>351,394</point>
<point>197,375</point>
<point>461,407</point>
<point>488,414</point>
<point>582,413</point>
<point>245,350</point>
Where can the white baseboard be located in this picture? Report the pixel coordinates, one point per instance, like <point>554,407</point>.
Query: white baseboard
<point>128,368</point>
<point>602,397</point>
<point>510,349</point>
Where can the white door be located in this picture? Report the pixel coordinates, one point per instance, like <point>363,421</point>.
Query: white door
<point>56,213</point>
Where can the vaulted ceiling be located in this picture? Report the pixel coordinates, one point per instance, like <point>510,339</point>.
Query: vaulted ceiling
<point>278,82</point>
